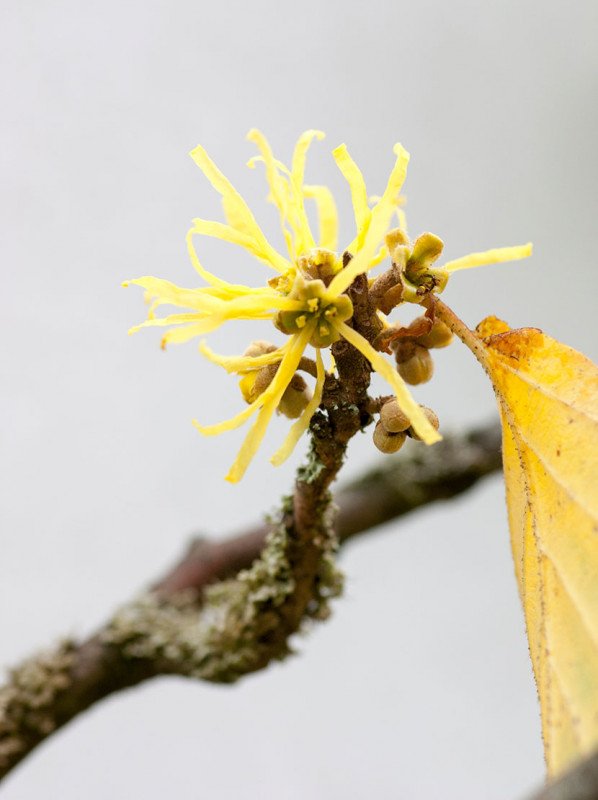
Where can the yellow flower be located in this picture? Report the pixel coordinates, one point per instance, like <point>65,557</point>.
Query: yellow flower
<point>307,298</point>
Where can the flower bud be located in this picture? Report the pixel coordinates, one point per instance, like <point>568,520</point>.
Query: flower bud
<point>388,442</point>
<point>264,378</point>
<point>414,362</point>
<point>393,418</point>
<point>440,335</point>
<point>259,348</point>
<point>257,381</point>
<point>295,398</point>
<point>432,419</point>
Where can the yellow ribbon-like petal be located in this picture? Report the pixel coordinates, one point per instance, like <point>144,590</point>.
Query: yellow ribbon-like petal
<point>259,248</point>
<point>233,423</point>
<point>295,210</point>
<point>166,292</point>
<point>235,208</point>
<point>270,398</point>
<point>298,428</point>
<point>239,364</point>
<point>395,181</point>
<point>207,276</point>
<point>327,215</point>
<point>406,402</point>
<point>171,319</point>
<point>380,219</point>
<point>187,332</point>
<point>380,256</point>
<point>298,165</point>
<point>495,256</point>
<point>359,196</point>
<point>278,185</point>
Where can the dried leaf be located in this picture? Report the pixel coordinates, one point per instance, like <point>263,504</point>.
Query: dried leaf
<point>548,399</point>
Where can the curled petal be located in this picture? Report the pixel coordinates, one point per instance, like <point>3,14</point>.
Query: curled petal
<point>380,256</point>
<point>230,424</point>
<point>239,364</point>
<point>273,393</point>
<point>359,197</point>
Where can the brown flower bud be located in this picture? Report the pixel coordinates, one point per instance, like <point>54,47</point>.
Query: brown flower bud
<point>264,378</point>
<point>432,419</point>
<point>256,382</point>
<point>393,418</point>
<point>388,442</point>
<point>259,348</point>
<point>414,362</point>
<point>295,398</point>
<point>439,336</point>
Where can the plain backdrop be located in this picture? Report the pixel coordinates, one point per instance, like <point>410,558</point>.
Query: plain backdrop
<point>420,684</point>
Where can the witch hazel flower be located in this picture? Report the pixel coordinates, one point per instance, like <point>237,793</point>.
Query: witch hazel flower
<point>307,298</point>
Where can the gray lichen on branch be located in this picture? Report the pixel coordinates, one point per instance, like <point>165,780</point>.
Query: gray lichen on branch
<point>238,628</point>
<point>27,702</point>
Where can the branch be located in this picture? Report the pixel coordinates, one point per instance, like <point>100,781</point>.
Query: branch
<point>400,484</point>
<point>231,628</point>
<point>173,623</point>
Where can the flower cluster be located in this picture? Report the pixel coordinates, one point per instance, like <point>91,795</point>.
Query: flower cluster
<point>307,298</point>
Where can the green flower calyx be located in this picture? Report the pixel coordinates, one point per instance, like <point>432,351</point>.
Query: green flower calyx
<point>418,276</point>
<point>317,304</point>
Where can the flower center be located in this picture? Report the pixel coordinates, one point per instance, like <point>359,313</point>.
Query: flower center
<point>317,304</point>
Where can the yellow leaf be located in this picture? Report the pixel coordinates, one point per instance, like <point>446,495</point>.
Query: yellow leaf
<point>548,399</point>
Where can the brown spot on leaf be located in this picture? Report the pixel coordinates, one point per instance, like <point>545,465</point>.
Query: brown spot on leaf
<point>516,344</point>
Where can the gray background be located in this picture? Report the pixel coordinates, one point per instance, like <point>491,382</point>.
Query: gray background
<point>419,686</point>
